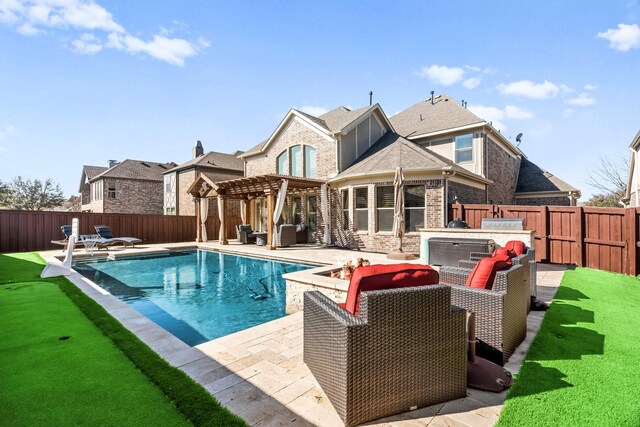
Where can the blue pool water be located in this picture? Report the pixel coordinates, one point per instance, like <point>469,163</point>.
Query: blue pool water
<point>196,295</point>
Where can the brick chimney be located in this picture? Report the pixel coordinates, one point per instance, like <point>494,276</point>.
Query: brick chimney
<point>197,149</point>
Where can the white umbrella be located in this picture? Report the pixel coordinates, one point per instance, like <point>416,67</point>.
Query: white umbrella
<point>398,207</point>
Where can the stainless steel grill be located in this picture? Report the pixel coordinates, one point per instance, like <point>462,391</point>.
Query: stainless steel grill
<point>502,224</point>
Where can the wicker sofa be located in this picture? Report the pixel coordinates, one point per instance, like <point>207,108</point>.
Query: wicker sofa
<point>405,349</point>
<point>501,312</point>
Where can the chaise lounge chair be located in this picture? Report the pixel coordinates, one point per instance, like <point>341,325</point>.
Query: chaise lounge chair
<point>107,238</point>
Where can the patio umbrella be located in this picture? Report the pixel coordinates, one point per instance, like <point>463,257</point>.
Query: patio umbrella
<point>324,200</point>
<point>282,195</point>
<point>398,217</point>
<point>398,207</point>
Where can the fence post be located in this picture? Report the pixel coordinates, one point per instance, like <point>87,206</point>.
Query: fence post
<point>630,232</point>
<point>544,234</point>
<point>578,226</point>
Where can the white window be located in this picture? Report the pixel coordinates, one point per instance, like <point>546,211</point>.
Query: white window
<point>464,148</point>
<point>362,209</point>
<point>281,164</point>
<point>309,162</point>
<point>170,194</point>
<point>384,208</point>
<point>414,204</point>
<point>296,160</point>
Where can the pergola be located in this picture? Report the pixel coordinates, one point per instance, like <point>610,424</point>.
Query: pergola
<point>246,189</point>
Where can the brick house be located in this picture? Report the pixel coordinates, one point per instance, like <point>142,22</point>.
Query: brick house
<point>130,186</point>
<point>216,166</point>
<point>448,154</point>
<point>631,198</point>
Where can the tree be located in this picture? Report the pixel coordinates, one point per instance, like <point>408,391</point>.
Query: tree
<point>611,179</point>
<point>5,195</point>
<point>35,195</point>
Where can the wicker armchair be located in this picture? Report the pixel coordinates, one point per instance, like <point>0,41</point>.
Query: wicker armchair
<point>501,312</point>
<point>405,349</point>
<point>522,260</point>
<point>245,234</point>
<point>285,235</point>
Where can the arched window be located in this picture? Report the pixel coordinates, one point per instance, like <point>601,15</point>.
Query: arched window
<point>282,167</point>
<point>310,162</point>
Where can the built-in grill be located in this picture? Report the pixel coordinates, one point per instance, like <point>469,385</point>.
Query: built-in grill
<point>502,224</point>
<point>449,250</point>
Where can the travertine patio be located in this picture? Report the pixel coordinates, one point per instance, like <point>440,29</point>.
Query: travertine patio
<point>259,374</point>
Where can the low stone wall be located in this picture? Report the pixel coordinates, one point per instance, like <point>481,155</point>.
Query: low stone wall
<point>315,279</point>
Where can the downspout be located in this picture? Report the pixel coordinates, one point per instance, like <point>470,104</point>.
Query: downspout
<point>485,149</point>
<point>636,172</point>
<point>445,215</point>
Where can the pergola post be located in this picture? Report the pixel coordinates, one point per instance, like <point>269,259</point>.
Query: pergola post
<point>271,205</point>
<point>223,220</point>
<point>198,234</point>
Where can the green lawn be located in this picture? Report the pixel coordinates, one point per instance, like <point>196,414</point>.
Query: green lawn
<point>65,361</point>
<point>582,368</point>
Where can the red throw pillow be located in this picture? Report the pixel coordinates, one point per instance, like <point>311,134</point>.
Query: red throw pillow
<point>484,273</point>
<point>516,246</point>
<point>504,252</point>
<point>377,277</point>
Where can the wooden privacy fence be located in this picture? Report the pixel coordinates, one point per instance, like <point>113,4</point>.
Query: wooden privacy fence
<point>601,238</point>
<point>33,230</point>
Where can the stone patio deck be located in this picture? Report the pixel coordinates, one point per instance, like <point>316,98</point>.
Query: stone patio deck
<point>258,373</point>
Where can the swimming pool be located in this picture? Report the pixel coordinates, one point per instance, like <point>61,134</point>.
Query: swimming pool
<point>196,295</point>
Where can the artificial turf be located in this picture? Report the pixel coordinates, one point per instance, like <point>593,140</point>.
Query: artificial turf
<point>64,361</point>
<point>582,367</point>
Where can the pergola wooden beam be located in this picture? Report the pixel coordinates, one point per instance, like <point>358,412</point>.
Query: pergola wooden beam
<point>248,188</point>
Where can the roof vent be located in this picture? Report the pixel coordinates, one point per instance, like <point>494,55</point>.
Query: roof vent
<point>432,92</point>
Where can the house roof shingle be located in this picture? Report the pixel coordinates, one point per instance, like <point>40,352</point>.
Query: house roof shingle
<point>212,159</point>
<point>424,117</point>
<point>93,171</point>
<point>136,169</point>
<point>392,150</point>
<point>532,179</point>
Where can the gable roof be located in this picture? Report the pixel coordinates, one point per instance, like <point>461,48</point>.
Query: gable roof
<point>89,172</point>
<point>425,117</point>
<point>392,150</point>
<point>533,179</point>
<point>136,169</point>
<point>330,123</point>
<point>213,160</point>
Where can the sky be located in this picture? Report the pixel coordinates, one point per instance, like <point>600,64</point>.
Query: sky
<point>83,82</point>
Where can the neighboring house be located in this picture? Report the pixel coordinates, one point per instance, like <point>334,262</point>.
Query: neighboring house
<point>447,153</point>
<point>633,180</point>
<point>216,166</point>
<point>537,187</point>
<point>130,186</point>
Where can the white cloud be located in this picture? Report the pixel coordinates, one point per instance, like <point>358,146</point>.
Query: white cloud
<point>566,89</point>
<point>624,38</point>
<point>529,89</point>
<point>497,115</point>
<point>490,114</point>
<point>590,87</point>
<point>87,43</point>
<point>313,110</point>
<point>583,100</point>
<point>441,74</point>
<point>473,68</point>
<point>173,51</point>
<point>472,83</point>
<point>568,112</point>
<point>31,17</point>
<point>7,132</point>
<point>517,113</point>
